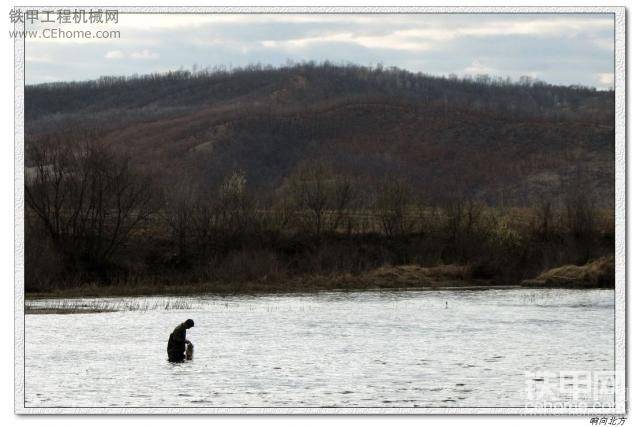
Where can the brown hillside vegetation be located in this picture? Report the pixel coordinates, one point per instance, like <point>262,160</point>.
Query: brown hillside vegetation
<point>311,176</point>
<point>489,139</point>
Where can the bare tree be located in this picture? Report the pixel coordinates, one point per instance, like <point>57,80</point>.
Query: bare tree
<point>465,228</point>
<point>178,212</point>
<point>581,219</point>
<point>235,210</point>
<point>544,217</point>
<point>344,196</point>
<point>88,198</point>
<point>393,207</point>
<point>322,197</point>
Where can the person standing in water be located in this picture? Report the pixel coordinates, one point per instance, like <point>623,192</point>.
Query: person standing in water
<point>178,340</point>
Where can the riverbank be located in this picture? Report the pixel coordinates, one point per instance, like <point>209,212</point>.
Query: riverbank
<point>49,310</point>
<point>597,274</point>
<point>398,277</point>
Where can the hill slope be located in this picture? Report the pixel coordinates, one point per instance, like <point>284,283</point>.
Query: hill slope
<point>501,142</point>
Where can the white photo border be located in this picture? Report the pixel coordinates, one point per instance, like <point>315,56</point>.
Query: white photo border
<point>620,222</point>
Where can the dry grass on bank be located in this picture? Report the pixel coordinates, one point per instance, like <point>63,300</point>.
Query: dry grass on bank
<point>595,274</point>
<point>414,275</point>
<point>387,277</point>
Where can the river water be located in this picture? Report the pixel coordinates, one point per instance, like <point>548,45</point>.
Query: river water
<point>357,349</point>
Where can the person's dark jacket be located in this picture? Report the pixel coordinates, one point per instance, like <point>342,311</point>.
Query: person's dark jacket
<point>176,344</point>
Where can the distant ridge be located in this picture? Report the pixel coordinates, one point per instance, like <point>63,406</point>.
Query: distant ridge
<point>488,138</point>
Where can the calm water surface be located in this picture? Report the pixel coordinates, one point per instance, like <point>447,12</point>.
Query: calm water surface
<point>366,349</point>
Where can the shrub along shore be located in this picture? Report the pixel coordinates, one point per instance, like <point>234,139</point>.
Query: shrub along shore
<point>96,226</point>
<point>596,274</point>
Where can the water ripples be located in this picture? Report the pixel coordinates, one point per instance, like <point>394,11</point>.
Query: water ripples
<point>366,349</point>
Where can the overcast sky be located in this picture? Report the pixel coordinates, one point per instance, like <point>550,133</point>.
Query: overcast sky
<point>556,48</point>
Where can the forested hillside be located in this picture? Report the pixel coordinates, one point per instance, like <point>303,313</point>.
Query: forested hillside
<point>505,143</point>
<point>265,175</point>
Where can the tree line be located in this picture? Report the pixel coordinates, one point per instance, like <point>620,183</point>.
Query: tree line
<point>93,216</point>
<point>315,81</point>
